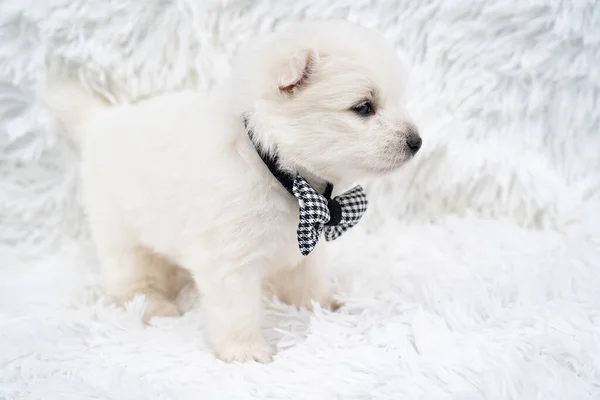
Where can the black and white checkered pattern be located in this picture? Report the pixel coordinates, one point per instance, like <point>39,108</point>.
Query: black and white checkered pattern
<point>314,213</point>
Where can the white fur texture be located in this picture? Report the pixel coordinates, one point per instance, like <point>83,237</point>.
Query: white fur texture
<point>437,305</point>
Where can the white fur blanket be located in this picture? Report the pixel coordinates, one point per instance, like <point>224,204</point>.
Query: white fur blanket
<point>475,274</point>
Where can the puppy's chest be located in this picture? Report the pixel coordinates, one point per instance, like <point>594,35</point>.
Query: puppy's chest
<point>280,239</point>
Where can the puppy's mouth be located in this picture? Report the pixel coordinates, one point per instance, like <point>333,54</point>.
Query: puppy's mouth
<point>394,162</point>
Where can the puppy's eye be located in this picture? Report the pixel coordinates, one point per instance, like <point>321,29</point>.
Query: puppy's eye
<point>364,109</point>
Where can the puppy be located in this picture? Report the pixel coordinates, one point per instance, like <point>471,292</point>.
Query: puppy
<point>178,180</point>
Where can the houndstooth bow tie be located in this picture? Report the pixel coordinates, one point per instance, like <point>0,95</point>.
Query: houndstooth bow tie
<point>317,212</point>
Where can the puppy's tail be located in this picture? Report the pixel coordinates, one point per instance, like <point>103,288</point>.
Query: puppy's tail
<point>73,107</point>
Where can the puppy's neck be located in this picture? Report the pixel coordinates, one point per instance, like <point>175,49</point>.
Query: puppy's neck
<point>279,166</point>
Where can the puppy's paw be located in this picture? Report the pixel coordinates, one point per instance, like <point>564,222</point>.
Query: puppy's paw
<point>159,305</point>
<point>245,350</point>
<point>330,304</point>
<point>306,301</point>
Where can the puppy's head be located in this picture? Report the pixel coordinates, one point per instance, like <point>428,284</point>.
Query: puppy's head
<point>328,98</point>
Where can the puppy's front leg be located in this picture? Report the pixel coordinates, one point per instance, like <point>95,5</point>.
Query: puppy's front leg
<point>232,302</point>
<point>305,283</point>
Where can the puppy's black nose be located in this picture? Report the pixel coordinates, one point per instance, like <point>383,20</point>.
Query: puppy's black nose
<point>414,142</point>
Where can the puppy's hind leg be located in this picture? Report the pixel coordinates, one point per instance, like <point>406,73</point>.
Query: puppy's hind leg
<point>135,270</point>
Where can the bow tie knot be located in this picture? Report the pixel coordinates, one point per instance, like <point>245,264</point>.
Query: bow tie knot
<point>318,213</point>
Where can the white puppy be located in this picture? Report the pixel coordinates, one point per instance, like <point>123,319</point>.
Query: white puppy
<point>175,181</point>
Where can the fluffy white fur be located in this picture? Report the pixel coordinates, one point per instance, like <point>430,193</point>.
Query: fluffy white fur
<point>176,181</point>
<point>446,295</point>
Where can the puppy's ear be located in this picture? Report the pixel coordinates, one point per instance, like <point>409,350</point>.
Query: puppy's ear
<point>296,70</point>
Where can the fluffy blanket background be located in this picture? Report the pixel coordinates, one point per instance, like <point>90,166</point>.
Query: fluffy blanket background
<point>475,274</point>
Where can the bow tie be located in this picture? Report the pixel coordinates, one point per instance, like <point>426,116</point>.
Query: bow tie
<point>317,212</point>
